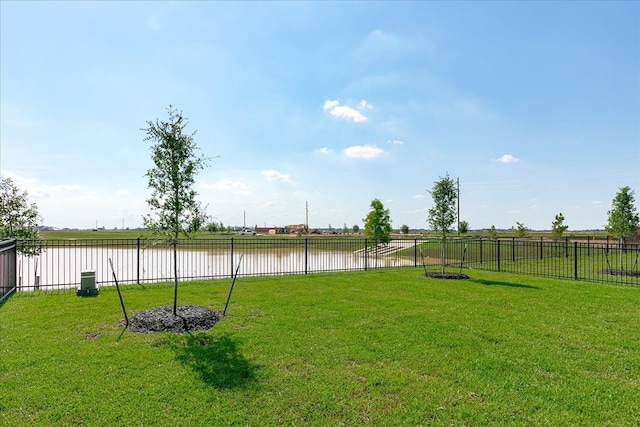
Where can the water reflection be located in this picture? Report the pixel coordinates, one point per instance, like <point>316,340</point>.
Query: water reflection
<point>61,267</point>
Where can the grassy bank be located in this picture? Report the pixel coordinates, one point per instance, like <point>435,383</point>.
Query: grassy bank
<point>368,348</point>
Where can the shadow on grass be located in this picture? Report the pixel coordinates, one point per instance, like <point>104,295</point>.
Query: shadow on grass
<point>499,283</point>
<point>216,359</point>
<point>6,297</point>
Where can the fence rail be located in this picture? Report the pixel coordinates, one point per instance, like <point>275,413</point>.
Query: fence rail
<point>8,249</point>
<point>141,261</point>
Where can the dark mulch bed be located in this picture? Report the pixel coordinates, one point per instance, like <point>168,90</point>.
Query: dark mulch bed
<point>161,319</point>
<point>447,275</point>
<point>632,273</point>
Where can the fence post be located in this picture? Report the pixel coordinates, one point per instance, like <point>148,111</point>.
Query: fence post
<point>8,267</point>
<point>588,246</point>
<point>415,253</point>
<point>540,247</point>
<point>138,261</point>
<point>366,254</point>
<point>513,249</point>
<point>306,255</point>
<point>480,250</point>
<point>231,265</point>
<point>498,242</point>
<point>575,260</point>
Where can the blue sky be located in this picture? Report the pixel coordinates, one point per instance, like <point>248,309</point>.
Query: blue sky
<point>534,106</point>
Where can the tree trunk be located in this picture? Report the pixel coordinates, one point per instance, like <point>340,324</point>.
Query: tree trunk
<point>442,255</point>
<point>175,277</point>
<point>620,245</point>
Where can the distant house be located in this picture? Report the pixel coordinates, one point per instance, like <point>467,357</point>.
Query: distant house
<point>296,228</point>
<point>268,230</point>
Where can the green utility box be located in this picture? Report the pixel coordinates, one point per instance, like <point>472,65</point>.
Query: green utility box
<point>87,284</point>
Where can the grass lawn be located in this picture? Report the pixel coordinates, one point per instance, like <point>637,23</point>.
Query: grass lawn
<point>380,348</point>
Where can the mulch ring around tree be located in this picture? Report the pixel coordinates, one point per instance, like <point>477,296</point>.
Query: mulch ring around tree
<point>631,273</point>
<point>446,275</point>
<point>161,319</point>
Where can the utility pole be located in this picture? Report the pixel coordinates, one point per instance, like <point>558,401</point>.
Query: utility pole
<point>306,221</point>
<point>458,184</point>
<point>244,220</point>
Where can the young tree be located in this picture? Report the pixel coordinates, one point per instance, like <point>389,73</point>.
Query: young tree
<point>19,218</point>
<point>493,233</point>
<point>175,211</point>
<point>377,224</point>
<point>622,218</point>
<point>521,229</point>
<point>356,228</point>
<point>443,214</point>
<point>464,227</point>
<point>212,227</point>
<point>404,229</point>
<point>557,227</point>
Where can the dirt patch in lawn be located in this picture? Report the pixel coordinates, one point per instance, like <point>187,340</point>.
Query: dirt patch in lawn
<point>161,319</point>
<point>447,275</point>
<point>632,273</point>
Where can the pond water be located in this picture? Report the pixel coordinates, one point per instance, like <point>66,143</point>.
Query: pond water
<point>58,268</point>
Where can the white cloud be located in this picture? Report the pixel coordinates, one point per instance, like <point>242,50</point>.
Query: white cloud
<point>365,105</point>
<point>235,187</point>
<point>396,142</point>
<point>36,189</point>
<point>18,180</point>
<point>507,158</point>
<point>324,150</point>
<point>363,152</point>
<point>344,112</point>
<point>329,105</point>
<point>272,175</point>
<point>75,205</point>
<point>419,196</point>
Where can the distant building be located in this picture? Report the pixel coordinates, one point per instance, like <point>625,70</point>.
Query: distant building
<point>296,228</point>
<point>268,230</point>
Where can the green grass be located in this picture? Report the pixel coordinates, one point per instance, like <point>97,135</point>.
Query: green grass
<point>374,348</point>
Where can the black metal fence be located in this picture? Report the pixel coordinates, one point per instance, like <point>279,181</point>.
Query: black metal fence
<point>7,268</point>
<point>141,261</point>
<point>596,261</point>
